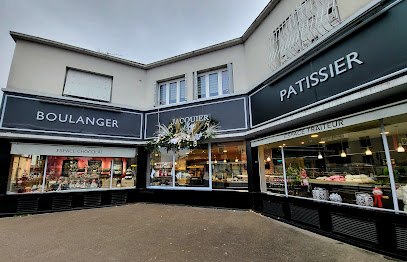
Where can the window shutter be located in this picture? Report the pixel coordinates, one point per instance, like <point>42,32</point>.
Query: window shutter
<point>195,85</point>
<point>230,72</point>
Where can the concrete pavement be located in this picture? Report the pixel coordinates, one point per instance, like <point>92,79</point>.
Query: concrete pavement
<point>152,232</point>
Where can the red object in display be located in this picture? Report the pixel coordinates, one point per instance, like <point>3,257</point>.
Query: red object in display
<point>378,195</point>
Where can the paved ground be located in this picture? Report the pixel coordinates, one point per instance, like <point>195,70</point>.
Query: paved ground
<point>148,232</point>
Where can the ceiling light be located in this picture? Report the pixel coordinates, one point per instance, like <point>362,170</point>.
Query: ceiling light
<point>216,161</point>
<point>401,149</point>
<point>268,159</point>
<point>224,161</point>
<point>315,135</point>
<point>225,151</point>
<point>368,152</point>
<point>322,142</point>
<point>320,156</point>
<point>302,142</point>
<point>236,160</point>
<point>175,163</point>
<point>343,154</point>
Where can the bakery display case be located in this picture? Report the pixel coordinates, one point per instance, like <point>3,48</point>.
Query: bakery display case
<point>75,173</point>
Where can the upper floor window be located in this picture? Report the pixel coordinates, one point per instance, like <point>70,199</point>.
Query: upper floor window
<point>88,85</point>
<point>306,24</point>
<point>213,83</point>
<point>172,92</point>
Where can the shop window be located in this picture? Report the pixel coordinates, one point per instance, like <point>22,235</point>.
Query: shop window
<point>213,83</point>
<point>64,173</point>
<point>345,165</point>
<point>161,168</point>
<point>77,173</point>
<point>192,167</point>
<point>26,173</point>
<point>229,166</point>
<point>396,134</point>
<point>88,85</point>
<point>273,170</point>
<point>172,92</point>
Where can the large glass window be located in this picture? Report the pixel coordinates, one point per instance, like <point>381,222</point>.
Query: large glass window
<point>70,173</point>
<point>396,134</point>
<point>26,173</point>
<point>161,171</point>
<point>192,167</point>
<point>229,166</point>
<point>220,166</point>
<point>345,165</point>
<point>273,169</point>
<point>124,172</point>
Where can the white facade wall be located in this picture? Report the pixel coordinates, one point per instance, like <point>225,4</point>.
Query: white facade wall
<point>42,68</point>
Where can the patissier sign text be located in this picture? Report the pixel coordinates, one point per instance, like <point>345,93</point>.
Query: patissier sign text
<point>340,66</point>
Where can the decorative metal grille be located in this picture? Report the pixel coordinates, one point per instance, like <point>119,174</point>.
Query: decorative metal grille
<point>309,21</point>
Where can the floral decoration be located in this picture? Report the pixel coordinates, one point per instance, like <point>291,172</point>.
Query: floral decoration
<point>183,135</point>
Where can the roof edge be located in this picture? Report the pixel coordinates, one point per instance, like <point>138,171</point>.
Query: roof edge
<point>240,40</point>
<point>20,36</point>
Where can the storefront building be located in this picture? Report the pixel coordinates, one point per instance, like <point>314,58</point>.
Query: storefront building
<point>311,114</point>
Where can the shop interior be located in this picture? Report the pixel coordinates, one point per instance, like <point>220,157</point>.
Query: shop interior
<point>191,168</point>
<point>70,173</point>
<point>345,165</point>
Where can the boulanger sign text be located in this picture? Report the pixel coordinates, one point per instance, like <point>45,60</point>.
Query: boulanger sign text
<point>71,119</point>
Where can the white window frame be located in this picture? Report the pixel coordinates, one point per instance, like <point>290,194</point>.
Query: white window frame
<point>220,87</point>
<point>167,91</point>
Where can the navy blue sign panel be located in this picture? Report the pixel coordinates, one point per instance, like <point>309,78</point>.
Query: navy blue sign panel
<point>22,113</point>
<point>231,115</point>
<point>375,50</point>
